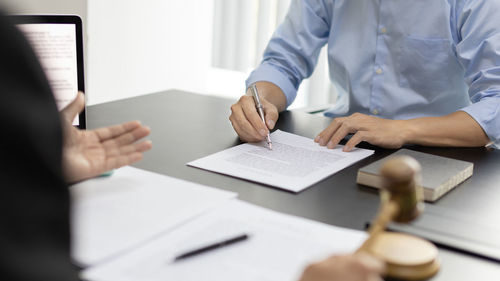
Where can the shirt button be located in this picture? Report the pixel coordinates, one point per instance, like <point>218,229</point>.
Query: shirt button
<point>383,30</point>
<point>375,112</point>
<point>378,71</point>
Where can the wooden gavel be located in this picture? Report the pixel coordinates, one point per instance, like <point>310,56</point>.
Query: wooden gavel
<point>406,257</point>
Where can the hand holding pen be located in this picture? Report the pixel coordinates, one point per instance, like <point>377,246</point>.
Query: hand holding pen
<point>245,118</point>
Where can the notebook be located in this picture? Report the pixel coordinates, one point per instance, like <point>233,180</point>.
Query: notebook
<point>57,41</point>
<point>439,174</point>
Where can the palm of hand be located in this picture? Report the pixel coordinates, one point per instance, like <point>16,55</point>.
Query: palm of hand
<point>84,155</point>
<point>87,154</point>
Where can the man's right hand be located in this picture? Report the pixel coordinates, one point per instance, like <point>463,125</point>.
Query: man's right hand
<point>245,119</point>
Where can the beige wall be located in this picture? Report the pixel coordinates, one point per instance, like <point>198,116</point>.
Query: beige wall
<point>139,47</point>
<point>142,47</point>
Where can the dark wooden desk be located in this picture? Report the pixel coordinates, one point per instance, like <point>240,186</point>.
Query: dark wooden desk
<point>188,126</point>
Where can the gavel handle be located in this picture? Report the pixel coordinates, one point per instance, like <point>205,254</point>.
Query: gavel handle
<point>385,216</point>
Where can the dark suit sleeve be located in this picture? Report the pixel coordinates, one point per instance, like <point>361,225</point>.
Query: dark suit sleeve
<point>34,200</point>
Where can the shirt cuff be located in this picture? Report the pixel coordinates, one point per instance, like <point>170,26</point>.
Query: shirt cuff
<point>486,112</point>
<point>269,73</point>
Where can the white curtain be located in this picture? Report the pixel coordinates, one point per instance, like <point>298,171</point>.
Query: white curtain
<point>242,29</point>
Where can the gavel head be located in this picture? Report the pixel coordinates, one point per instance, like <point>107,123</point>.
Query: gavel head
<point>401,184</point>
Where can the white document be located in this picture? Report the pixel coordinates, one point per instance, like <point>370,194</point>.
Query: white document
<point>111,215</point>
<point>55,48</point>
<point>279,248</point>
<point>294,164</point>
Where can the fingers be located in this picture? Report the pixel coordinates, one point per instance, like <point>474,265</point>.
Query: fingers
<point>70,112</point>
<point>127,137</point>
<point>358,137</point>
<point>123,160</point>
<point>112,151</point>
<point>341,133</point>
<point>253,116</point>
<point>247,122</point>
<point>335,132</point>
<point>339,128</point>
<point>126,155</point>
<point>111,132</point>
<point>327,133</point>
<point>143,146</point>
<point>240,122</point>
<point>355,140</point>
<point>119,142</point>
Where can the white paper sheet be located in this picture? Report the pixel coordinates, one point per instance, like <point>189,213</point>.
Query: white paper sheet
<point>111,215</point>
<point>294,164</point>
<point>55,48</point>
<point>279,248</point>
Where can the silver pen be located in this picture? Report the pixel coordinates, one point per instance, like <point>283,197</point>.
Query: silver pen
<point>260,110</point>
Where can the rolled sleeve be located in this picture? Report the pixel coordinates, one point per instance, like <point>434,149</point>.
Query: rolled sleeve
<point>292,53</point>
<point>479,52</point>
<point>270,73</point>
<point>486,112</point>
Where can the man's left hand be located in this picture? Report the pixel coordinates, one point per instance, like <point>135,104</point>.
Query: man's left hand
<point>377,131</point>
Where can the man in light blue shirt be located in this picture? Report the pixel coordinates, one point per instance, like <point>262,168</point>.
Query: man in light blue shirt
<point>423,72</point>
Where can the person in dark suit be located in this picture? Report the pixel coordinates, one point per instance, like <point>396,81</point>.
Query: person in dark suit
<point>40,154</point>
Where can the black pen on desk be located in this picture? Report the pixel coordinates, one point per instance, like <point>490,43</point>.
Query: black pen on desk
<point>260,110</point>
<point>213,246</point>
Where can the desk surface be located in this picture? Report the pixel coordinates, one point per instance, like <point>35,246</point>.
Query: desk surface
<point>188,126</point>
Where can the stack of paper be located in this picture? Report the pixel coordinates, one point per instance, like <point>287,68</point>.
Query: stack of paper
<point>132,225</point>
<point>279,248</point>
<point>112,215</point>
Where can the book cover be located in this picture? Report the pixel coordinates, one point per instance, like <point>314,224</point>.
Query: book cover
<point>439,174</point>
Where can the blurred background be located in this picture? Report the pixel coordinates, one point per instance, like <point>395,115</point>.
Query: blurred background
<point>205,46</point>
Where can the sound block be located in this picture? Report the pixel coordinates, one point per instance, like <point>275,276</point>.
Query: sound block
<point>407,257</point>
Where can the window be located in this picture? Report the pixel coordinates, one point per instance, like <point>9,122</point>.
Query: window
<point>241,31</point>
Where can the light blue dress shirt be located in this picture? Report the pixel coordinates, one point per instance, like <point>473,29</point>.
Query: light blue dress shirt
<point>396,59</point>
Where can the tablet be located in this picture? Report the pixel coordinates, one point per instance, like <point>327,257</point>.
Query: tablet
<point>58,43</point>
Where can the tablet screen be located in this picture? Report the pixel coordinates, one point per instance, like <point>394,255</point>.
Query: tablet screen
<point>55,47</point>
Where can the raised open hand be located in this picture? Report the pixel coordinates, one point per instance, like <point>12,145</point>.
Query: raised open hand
<point>87,154</point>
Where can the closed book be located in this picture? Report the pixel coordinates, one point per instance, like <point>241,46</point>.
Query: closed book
<point>439,174</point>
